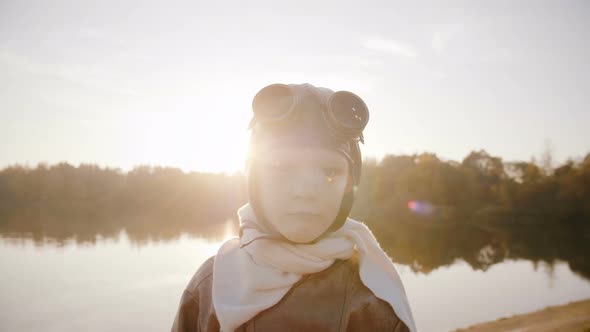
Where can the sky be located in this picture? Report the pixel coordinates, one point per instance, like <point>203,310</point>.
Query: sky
<point>170,83</point>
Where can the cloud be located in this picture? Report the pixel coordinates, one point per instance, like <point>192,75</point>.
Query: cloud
<point>498,54</point>
<point>391,47</point>
<point>64,84</point>
<point>441,37</point>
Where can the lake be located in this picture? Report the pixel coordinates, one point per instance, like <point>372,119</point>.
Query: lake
<point>121,285</point>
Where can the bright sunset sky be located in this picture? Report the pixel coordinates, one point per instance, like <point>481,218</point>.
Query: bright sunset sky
<point>123,83</point>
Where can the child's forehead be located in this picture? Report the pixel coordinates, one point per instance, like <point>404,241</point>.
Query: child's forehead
<point>304,154</point>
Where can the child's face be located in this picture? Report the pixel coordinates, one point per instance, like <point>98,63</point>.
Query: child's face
<point>301,190</point>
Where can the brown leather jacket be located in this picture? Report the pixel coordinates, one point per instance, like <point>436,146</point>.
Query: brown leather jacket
<point>332,300</point>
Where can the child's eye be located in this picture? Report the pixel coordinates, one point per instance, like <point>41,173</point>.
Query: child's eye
<point>332,171</point>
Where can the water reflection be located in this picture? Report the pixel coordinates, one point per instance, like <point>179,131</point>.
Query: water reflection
<point>93,234</point>
<point>424,244</point>
<point>124,284</point>
<point>112,284</point>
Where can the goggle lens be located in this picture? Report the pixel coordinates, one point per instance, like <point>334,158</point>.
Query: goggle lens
<point>349,111</point>
<point>273,102</point>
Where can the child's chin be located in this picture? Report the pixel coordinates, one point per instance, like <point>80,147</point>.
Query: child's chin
<point>300,238</point>
<point>302,230</point>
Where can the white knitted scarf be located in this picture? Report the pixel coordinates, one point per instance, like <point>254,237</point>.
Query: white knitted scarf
<point>253,273</point>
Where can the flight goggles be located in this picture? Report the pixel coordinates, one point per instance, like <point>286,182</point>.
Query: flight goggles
<point>345,113</point>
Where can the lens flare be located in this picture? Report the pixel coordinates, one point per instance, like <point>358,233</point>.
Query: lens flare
<point>421,208</point>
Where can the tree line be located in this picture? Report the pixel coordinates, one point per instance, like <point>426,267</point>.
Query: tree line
<point>425,211</point>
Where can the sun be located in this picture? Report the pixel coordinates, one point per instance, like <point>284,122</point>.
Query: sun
<point>203,136</point>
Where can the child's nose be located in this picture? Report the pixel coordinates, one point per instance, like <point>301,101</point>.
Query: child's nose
<point>305,186</point>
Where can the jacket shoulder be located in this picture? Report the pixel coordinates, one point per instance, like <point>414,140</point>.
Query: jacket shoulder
<point>204,273</point>
<point>365,310</point>
<point>195,312</point>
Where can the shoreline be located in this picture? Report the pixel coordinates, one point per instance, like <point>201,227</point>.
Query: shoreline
<point>573,316</point>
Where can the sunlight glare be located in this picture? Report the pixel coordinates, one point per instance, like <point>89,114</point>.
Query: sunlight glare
<point>230,230</point>
<point>194,134</point>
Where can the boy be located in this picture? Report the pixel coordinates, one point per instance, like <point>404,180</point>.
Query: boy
<point>299,264</point>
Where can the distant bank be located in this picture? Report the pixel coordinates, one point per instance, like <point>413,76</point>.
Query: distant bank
<point>574,316</point>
